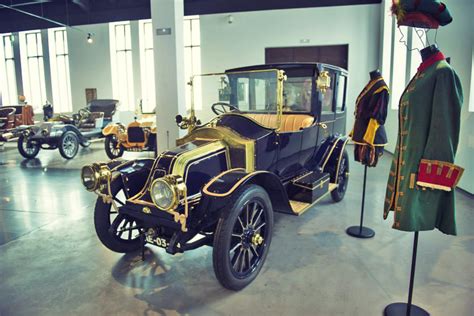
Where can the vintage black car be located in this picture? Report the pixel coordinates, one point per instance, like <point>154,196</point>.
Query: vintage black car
<point>65,132</point>
<point>276,144</point>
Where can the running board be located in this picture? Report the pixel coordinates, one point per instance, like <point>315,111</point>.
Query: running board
<point>299,208</point>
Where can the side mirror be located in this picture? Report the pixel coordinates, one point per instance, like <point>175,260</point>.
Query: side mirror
<point>178,119</point>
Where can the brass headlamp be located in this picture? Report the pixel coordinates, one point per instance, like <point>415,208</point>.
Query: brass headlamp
<point>166,192</point>
<point>95,175</point>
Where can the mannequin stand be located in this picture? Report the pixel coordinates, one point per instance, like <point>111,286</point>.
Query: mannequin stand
<point>402,309</point>
<point>361,231</point>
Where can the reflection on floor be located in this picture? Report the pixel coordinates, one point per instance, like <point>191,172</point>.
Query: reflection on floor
<point>51,262</point>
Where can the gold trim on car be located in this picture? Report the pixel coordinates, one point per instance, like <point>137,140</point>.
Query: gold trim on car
<point>182,161</point>
<point>229,137</point>
<point>234,187</point>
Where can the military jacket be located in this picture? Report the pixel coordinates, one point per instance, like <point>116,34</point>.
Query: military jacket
<point>369,133</point>
<point>429,124</point>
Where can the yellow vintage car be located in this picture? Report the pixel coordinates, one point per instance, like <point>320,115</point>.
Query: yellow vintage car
<point>139,135</point>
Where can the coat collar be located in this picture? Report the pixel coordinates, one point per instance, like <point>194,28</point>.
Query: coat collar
<point>430,61</point>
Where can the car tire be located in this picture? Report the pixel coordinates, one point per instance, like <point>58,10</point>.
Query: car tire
<point>27,150</point>
<point>68,144</point>
<point>111,147</point>
<point>239,253</point>
<point>107,222</point>
<point>342,178</point>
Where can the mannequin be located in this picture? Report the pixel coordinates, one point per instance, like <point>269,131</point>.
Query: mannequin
<point>368,133</point>
<point>375,74</point>
<point>429,51</point>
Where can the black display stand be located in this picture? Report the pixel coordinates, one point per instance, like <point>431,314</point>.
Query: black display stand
<point>361,231</point>
<point>408,309</point>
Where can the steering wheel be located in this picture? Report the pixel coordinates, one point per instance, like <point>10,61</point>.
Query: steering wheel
<point>83,114</point>
<point>221,107</point>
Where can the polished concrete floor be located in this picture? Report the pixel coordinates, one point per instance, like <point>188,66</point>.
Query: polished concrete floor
<point>51,262</point>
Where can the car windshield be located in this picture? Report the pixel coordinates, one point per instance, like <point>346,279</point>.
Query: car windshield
<point>251,93</point>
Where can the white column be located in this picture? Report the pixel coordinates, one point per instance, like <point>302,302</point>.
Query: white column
<point>167,19</point>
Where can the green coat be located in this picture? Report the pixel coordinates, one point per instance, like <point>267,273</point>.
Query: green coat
<point>429,123</point>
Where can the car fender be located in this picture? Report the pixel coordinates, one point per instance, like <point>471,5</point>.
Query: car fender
<point>111,129</point>
<point>75,130</point>
<point>133,173</point>
<point>331,156</point>
<point>224,187</point>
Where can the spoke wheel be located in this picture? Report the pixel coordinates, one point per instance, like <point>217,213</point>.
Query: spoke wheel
<point>113,149</point>
<point>118,232</point>
<point>242,238</point>
<point>27,148</point>
<point>342,178</point>
<point>68,145</point>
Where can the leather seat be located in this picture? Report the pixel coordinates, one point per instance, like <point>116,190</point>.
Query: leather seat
<point>91,121</point>
<point>289,122</point>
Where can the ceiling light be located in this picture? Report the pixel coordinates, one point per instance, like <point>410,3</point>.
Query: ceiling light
<point>90,40</point>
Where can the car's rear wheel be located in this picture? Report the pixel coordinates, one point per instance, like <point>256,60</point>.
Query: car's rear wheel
<point>112,147</point>
<point>118,232</point>
<point>342,178</point>
<point>68,145</point>
<point>27,148</point>
<point>242,238</point>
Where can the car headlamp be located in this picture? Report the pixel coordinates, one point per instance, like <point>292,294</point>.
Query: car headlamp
<point>94,175</point>
<point>167,191</point>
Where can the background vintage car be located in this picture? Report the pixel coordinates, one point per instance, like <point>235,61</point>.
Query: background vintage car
<point>139,135</point>
<point>66,133</point>
<point>273,146</point>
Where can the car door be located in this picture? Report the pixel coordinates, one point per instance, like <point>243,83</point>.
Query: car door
<point>328,114</point>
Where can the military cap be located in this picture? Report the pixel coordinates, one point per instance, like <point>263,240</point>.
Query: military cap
<point>421,13</point>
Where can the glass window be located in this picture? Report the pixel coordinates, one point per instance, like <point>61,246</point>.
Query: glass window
<point>32,67</point>
<point>297,94</point>
<point>253,91</point>
<point>147,66</point>
<point>399,65</point>
<point>192,59</point>
<point>7,71</point>
<point>59,63</point>
<point>122,67</point>
<point>340,102</point>
<point>192,62</point>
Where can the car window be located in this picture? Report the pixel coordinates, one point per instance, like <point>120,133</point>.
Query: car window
<point>340,93</point>
<point>254,92</point>
<point>328,96</point>
<point>297,94</point>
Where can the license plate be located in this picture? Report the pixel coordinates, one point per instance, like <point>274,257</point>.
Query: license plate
<point>158,241</point>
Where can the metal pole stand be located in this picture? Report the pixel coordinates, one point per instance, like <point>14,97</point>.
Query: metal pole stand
<point>361,231</point>
<point>142,243</point>
<point>408,309</point>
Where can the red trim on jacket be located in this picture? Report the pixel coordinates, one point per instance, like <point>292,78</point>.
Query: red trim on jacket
<point>430,61</point>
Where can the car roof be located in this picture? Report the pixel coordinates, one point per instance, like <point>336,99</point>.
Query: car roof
<point>285,66</point>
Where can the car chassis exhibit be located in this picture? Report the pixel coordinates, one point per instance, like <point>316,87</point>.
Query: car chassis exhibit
<point>265,151</point>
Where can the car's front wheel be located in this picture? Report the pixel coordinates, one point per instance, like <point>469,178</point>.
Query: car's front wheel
<point>112,147</point>
<point>117,232</point>
<point>342,178</point>
<point>242,238</point>
<point>68,145</point>
<point>27,148</point>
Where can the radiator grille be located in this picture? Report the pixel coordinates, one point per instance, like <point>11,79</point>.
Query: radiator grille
<point>135,135</point>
